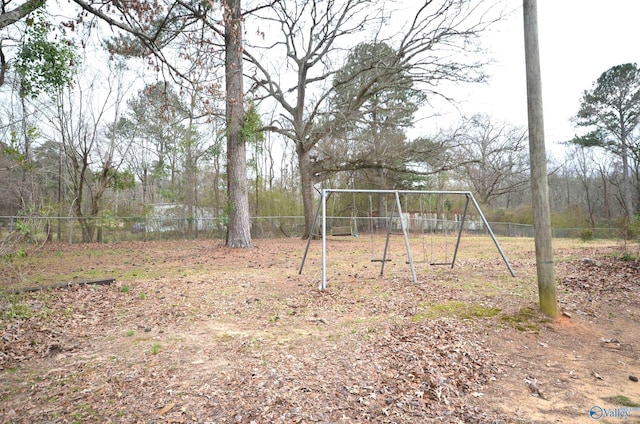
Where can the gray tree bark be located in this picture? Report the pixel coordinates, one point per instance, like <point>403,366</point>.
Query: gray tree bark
<point>539,184</point>
<point>19,12</point>
<point>239,228</point>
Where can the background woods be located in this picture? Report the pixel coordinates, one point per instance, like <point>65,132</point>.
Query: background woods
<point>224,111</point>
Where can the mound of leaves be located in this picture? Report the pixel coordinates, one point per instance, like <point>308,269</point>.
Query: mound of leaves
<point>433,368</point>
<point>413,373</point>
<point>607,274</point>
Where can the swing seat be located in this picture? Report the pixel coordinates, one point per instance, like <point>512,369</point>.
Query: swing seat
<point>341,231</point>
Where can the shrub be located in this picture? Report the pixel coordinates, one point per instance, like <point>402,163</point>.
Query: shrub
<point>586,235</point>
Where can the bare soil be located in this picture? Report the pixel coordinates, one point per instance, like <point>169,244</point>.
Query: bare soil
<point>193,332</point>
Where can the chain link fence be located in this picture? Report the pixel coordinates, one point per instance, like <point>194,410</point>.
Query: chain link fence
<point>122,229</point>
<point>115,230</point>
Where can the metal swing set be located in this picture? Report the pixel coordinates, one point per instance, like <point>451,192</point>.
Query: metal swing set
<point>396,212</point>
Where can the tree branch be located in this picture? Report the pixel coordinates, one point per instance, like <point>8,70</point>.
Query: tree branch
<point>15,15</point>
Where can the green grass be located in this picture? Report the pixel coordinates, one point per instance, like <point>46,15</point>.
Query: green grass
<point>462,310</point>
<point>527,319</point>
<point>83,411</point>
<point>17,310</point>
<point>155,349</point>
<point>31,270</point>
<point>622,401</point>
<point>629,257</point>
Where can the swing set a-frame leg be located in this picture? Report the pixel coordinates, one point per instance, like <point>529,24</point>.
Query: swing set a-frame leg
<point>397,206</point>
<point>311,236</point>
<point>386,244</point>
<point>464,217</point>
<point>388,226</point>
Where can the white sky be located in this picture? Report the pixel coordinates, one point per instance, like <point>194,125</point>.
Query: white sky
<point>579,40</point>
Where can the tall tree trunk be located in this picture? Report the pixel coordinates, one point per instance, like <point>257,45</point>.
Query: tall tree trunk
<point>217,203</point>
<point>190,186</point>
<point>145,182</point>
<point>306,186</point>
<point>626,181</point>
<point>605,195</point>
<point>239,229</point>
<point>80,169</point>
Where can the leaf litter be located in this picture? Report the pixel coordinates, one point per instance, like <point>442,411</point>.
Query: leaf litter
<point>229,343</point>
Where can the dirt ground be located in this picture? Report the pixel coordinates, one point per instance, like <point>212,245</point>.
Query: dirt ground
<point>193,332</point>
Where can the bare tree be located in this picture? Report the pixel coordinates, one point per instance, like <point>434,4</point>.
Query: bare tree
<point>152,127</point>
<point>91,156</point>
<point>585,171</point>
<point>493,157</point>
<point>165,131</point>
<point>178,37</point>
<point>433,46</point>
<point>611,109</point>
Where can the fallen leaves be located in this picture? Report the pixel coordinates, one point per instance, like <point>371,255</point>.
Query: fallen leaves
<point>166,409</point>
<point>261,344</point>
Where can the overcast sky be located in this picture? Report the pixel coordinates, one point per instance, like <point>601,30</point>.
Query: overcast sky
<point>579,40</point>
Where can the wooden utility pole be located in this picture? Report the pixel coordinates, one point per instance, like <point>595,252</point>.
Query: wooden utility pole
<point>538,158</point>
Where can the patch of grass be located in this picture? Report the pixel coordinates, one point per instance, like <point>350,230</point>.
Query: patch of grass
<point>68,311</point>
<point>155,349</point>
<point>462,310</point>
<point>527,319</point>
<point>628,257</point>
<point>124,288</point>
<point>130,333</point>
<point>17,310</point>
<point>622,401</point>
<point>82,411</point>
<point>142,296</point>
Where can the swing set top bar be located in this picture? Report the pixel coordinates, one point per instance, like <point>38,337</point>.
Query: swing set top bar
<point>348,190</point>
